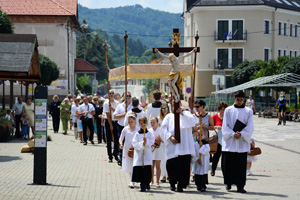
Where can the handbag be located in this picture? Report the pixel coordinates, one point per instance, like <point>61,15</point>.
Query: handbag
<point>255,151</point>
<point>130,152</point>
<point>157,141</point>
<point>213,143</point>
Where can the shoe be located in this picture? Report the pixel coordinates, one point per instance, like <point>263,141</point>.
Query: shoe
<point>119,163</point>
<point>158,186</point>
<point>212,173</point>
<point>163,180</point>
<point>172,187</point>
<point>99,142</point>
<point>148,187</point>
<point>131,186</point>
<point>179,189</point>
<point>84,143</point>
<point>143,190</point>
<point>284,123</point>
<point>241,190</point>
<point>92,141</point>
<point>199,189</point>
<point>110,161</point>
<point>193,179</point>
<point>279,123</point>
<point>81,141</point>
<point>228,187</point>
<point>249,172</point>
<point>202,189</point>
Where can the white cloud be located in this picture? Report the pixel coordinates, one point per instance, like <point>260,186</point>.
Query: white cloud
<point>174,6</point>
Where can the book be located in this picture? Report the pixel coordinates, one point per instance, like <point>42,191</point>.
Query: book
<point>238,126</point>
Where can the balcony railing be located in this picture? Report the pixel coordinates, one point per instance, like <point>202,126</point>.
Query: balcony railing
<point>232,37</point>
<point>226,63</point>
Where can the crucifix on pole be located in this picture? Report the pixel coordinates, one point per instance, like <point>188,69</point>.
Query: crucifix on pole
<point>175,79</point>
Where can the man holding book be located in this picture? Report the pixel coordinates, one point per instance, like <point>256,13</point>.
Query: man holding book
<point>237,130</point>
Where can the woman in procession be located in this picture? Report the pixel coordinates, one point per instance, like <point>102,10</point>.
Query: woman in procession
<point>128,133</point>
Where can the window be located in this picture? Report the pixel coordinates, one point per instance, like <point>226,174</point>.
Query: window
<point>230,29</point>
<point>279,28</point>
<point>296,30</point>
<point>291,30</point>
<point>267,27</point>
<point>296,53</point>
<point>291,53</point>
<point>266,55</point>
<point>284,29</point>
<point>284,52</point>
<point>279,52</point>
<point>229,58</point>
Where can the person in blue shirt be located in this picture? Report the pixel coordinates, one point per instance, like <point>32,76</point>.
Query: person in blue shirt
<point>281,102</point>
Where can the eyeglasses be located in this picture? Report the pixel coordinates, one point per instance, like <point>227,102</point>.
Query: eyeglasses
<point>164,109</point>
<point>111,93</point>
<point>128,96</point>
<point>196,107</point>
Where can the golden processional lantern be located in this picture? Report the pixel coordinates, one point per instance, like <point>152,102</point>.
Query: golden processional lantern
<point>176,38</point>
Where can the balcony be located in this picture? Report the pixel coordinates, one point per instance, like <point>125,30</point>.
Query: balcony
<point>226,64</point>
<point>233,37</point>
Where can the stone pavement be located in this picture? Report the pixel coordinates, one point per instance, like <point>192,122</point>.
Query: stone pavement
<point>83,172</point>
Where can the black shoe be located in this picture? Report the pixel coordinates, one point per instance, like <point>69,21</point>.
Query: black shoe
<point>84,143</point>
<point>143,189</point>
<point>279,123</point>
<point>241,190</point>
<point>179,189</point>
<point>199,189</point>
<point>92,141</point>
<point>212,173</point>
<point>148,187</point>
<point>110,161</point>
<point>99,142</point>
<point>202,189</point>
<point>228,187</point>
<point>284,123</point>
<point>172,187</point>
<point>119,163</point>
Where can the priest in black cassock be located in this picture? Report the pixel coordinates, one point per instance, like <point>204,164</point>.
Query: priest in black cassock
<point>237,130</point>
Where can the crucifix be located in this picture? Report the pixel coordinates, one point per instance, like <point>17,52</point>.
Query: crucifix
<point>175,79</point>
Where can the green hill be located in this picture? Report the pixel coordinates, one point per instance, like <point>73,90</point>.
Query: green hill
<point>154,28</point>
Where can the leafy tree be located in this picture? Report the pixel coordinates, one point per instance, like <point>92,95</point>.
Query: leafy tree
<point>242,73</point>
<point>83,83</point>
<point>49,70</point>
<point>6,26</point>
<point>151,84</point>
<point>292,66</point>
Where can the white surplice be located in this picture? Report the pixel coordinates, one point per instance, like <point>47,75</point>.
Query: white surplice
<point>138,146</point>
<point>127,162</point>
<point>229,143</point>
<point>204,151</point>
<point>151,112</point>
<point>186,145</point>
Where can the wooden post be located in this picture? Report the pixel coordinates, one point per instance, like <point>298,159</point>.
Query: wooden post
<point>11,101</point>
<point>195,66</point>
<point>125,96</point>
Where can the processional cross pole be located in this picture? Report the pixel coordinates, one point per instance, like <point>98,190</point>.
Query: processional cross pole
<point>175,79</point>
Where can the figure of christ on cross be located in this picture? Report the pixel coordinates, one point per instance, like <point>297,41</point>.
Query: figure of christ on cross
<point>175,79</point>
<point>175,73</point>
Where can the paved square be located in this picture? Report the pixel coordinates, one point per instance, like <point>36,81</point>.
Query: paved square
<point>83,172</point>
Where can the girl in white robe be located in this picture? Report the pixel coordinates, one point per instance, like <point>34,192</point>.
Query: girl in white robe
<point>158,152</point>
<point>142,160</point>
<point>128,133</point>
<point>201,171</point>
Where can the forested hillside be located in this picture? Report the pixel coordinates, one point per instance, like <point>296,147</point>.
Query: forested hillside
<point>152,27</point>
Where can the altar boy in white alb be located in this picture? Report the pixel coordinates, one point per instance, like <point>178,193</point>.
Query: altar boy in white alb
<point>178,154</point>
<point>237,130</point>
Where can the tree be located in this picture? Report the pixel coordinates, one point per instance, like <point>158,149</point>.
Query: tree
<point>242,73</point>
<point>83,84</point>
<point>151,85</point>
<point>49,70</point>
<point>292,66</point>
<point>6,26</point>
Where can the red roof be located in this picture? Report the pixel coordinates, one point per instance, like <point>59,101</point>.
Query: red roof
<point>82,65</point>
<point>39,7</point>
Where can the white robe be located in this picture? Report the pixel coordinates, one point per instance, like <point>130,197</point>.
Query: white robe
<point>137,143</point>
<point>127,162</point>
<point>204,167</point>
<point>229,143</point>
<point>151,112</point>
<point>158,153</point>
<point>139,115</point>
<point>186,145</point>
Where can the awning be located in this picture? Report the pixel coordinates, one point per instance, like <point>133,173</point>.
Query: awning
<point>146,71</point>
<point>279,80</point>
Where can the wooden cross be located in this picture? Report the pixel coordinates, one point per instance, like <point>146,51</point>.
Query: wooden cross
<point>176,50</point>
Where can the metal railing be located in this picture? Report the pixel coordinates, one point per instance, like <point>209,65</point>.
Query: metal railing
<point>235,36</point>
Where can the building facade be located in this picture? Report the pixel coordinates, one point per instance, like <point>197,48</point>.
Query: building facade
<point>233,31</point>
<point>54,23</point>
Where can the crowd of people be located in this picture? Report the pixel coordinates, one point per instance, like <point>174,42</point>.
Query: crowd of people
<point>140,136</point>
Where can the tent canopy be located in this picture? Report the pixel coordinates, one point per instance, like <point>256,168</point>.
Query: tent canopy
<point>145,71</point>
<point>279,80</point>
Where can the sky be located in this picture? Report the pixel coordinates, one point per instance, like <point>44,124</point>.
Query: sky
<point>173,6</point>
